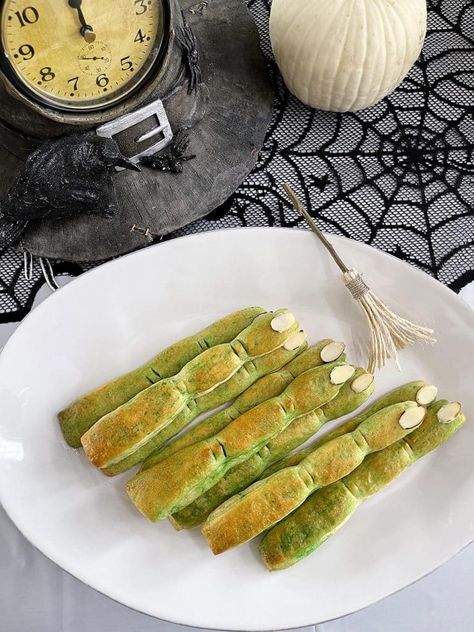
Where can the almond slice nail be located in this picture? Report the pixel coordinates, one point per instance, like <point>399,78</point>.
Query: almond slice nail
<point>412,417</point>
<point>341,374</point>
<point>448,413</point>
<point>283,322</point>
<point>332,351</point>
<point>362,383</point>
<point>427,395</point>
<point>295,341</point>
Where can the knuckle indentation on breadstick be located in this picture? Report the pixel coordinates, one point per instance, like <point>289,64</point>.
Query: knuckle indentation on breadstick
<point>283,322</point>
<point>82,414</point>
<point>295,341</point>
<point>412,417</point>
<point>341,374</point>
<point>362,383</point>
<point>269,501</point>
<point>427,395</point>
<point>328,509</point>
<point>448,413</point>
<point>332,351</point>
<point>129,434</point>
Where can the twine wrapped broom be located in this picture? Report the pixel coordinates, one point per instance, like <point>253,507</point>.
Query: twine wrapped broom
<point>389,333</point>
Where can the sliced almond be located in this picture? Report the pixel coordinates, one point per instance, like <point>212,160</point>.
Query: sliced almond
<point>412,417</point>
<point>341,374</point>
<point>283,322</point>
<point>426,395</point>
<point>332,351</point>
<point>448,413</point>
<point>362,383</point>
<point>295,341</point>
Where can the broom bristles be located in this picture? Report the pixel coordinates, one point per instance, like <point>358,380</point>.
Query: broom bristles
<point>389,332</point>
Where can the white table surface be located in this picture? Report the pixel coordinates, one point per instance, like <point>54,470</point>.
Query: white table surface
<point>37,596</point>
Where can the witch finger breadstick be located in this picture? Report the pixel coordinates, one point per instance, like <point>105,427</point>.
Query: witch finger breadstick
<point>420,392</point>
<point>328,509</point>
<point>249,373</point>
<point>269,386</point>
<point>268,501</point>
<point>352,395</point>
<point>82,415</point>
<point>130,427</point>
<point>175,482</point>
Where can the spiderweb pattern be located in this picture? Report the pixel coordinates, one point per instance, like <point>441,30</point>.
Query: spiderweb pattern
<point>399,176</point>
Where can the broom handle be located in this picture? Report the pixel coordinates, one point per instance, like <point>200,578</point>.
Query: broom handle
<point>319,234</point>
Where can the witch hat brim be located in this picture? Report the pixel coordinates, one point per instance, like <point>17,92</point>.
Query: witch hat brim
<point>225,142</point>
<point>10,231</point>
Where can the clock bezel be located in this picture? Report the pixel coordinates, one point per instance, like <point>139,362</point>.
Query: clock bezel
<point>108,111</point>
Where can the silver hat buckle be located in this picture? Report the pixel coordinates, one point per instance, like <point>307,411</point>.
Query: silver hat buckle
<point>143,132</point>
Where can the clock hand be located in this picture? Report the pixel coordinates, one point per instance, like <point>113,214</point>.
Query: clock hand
<point>87,31</point>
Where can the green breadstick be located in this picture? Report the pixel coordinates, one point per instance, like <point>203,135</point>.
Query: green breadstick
<point>249,373</point>
<point>268,501</point>
<point>324,513</point>
<point>267,387</point>
<point>130,427</point>
<point>82,415</point>
<point>352,395</point>
<point>175,482</point>
<point>419,391</point>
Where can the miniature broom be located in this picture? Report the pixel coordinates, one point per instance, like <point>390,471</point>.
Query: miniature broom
<point>389,333</point>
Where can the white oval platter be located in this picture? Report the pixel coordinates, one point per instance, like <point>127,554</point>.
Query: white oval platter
<point>120,314</point>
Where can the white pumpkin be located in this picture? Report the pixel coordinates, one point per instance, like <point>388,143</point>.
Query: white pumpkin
<point>346,55</point>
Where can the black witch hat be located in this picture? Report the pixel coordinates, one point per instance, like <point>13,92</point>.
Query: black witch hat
<point>213,88</point>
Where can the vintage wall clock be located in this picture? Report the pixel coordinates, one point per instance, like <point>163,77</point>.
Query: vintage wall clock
<point>138,71</point>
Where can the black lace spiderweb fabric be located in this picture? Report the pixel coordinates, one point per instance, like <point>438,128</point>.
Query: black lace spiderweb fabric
<point>399,176</point>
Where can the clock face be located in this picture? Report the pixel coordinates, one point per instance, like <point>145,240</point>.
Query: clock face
<point>81,54</point>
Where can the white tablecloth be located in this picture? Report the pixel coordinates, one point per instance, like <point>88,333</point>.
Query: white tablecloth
<point>37,596</point>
